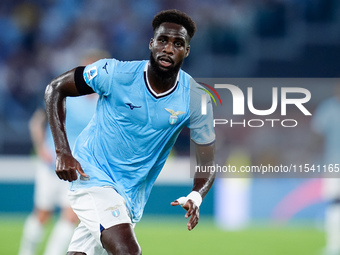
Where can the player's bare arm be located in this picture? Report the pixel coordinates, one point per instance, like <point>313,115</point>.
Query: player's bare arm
<point>202,184</point>
<point>55,99</point>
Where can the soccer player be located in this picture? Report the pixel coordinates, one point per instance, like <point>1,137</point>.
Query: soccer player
<point>49,192</point>
<point>142,107</point>
<point>326,126</point>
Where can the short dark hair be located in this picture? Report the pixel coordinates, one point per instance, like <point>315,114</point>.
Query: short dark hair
<point>177,17</point>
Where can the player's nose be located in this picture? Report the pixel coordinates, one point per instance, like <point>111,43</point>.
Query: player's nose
<point>169,48</point>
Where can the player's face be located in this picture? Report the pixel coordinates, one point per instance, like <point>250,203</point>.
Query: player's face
<point>169,46</point>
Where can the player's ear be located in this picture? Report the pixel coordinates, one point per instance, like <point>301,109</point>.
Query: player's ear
<point>187,51</point>
<point>150,44</point>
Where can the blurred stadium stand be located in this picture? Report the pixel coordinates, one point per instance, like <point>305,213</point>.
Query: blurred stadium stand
<point>263,38</point>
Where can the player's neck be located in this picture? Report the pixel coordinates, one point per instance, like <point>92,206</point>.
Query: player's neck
<point>159,83</point>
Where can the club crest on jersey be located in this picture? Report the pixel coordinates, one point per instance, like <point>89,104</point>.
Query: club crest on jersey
<point>116,213</point>
<point>90,74</point>
<point>173,117</point>
<point>114,210</point>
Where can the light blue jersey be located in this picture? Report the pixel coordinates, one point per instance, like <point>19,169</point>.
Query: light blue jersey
<point>130,137</point>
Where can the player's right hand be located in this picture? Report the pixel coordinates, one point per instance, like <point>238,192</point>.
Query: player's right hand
<point>67,167</point>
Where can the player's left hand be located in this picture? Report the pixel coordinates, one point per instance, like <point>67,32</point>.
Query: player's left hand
<point>192,211</point>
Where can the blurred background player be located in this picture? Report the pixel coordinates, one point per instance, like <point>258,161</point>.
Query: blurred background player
<point>326,125</point>
<point>50,193</point>
<point>232,193</point>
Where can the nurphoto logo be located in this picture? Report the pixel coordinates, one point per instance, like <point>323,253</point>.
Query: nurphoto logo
<point>270,127</point>
<point>295,96</point>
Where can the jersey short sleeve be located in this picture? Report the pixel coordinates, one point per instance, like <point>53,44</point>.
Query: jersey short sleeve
<point>201,125</point>
<point>98,75</point>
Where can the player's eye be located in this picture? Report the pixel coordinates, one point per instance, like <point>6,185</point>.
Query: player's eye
<point>179,44</point>
<point>162,40</point>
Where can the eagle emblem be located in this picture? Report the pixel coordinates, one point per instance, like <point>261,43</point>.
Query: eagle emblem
<point>173,117</point>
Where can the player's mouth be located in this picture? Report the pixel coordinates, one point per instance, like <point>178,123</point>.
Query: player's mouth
<point>165,61</point>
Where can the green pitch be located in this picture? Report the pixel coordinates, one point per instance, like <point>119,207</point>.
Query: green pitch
<point>163,236</point>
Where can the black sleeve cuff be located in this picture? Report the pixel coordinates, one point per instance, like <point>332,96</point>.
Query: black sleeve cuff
<point>81,85</point>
